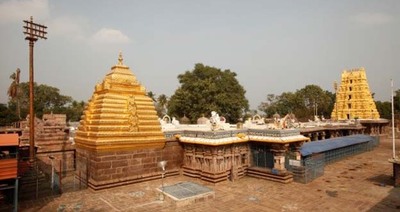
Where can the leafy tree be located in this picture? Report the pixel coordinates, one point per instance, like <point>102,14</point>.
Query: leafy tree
<point>384,109</point>
<point>207,89</point>
<point>152,96</point>
<point>14,91</point>
<point>13,88</point>
<point>316,101</point>
<point>285,103</point>
<point>396,101</point>
<point>304,103</point>
<point>162,102</point>
<point>75,110</point>
<point>47,99</point>
<point>7,116</point>
<point>159,102</point>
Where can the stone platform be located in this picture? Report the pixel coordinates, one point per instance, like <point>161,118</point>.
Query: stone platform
<point>186,193</point>
<point>358,183</point>
<point>103,170</point>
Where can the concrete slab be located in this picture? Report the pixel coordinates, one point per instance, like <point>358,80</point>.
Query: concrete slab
<point>185,193</point>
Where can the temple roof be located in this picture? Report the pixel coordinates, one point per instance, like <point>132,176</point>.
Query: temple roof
<point>119,115</point>
<point>213,138</point>
<point>333,143</point>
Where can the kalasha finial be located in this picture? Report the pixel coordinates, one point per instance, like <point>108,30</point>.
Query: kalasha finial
<point>120,59</point>
<point>31,18</point>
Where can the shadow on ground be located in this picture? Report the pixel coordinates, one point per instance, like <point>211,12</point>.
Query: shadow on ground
<point>392,201</point>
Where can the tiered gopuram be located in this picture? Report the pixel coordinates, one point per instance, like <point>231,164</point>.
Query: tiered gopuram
<point>119,139</point>
<point>353,97</point>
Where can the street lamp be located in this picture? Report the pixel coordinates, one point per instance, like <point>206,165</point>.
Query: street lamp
<point>33,32</point>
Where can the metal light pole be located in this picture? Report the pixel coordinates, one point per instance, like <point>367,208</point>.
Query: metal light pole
<point>162,165</point>
<point>33,32</point>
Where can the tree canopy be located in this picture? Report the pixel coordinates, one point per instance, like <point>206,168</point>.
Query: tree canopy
<point>159,102</point>
<point>206,89</point>
<point>304,103</point>
<point>47,99</point>
<point>7,116</point>
<point>385,108</point>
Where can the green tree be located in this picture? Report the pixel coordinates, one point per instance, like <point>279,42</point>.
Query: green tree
<point>7,116</point>
<point>162,102</point>
<point>152,96</point>
<point>47,99</point>
<point>396,101</point>
<point>207,89</point>
<point>304,103</point>
<point>159,102</point>
<point>384,109</point>
<point>74,111</point>
<point>316,101</point>
<point>14,91</point>
<point>282,104</point>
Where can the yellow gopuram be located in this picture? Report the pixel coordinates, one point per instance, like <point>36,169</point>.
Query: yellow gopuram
<point>119,116</point>
<point>353,97</point>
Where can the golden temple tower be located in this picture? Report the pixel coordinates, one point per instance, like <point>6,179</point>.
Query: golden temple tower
<point>119,139</point>
<point>353,97</point>
<point>119,115</point>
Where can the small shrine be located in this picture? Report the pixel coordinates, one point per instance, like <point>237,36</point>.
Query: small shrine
<point>353,97</point>
<point>218,152</point>
<point>119,139</point>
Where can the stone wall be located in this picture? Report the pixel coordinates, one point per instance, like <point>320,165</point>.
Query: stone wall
<point>216,163</point>
<point>51,139</point>
<point>100,170</point>
<point>66,158</point>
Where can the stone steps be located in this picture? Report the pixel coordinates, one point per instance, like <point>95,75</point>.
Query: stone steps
<point>267,174</point>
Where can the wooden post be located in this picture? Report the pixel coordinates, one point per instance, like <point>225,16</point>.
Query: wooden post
<point>33,32</point>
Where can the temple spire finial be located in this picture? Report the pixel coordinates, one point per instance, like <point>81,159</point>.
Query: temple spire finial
<point>120,59</point>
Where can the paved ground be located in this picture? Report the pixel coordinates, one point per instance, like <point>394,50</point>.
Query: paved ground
<point>359,183</point>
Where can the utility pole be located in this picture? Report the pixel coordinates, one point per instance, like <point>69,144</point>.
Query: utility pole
<point>33,32</point>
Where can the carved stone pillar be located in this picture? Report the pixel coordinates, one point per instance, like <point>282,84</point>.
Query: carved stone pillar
<point>238,161</point>
<point>214,160</point>
<point>307,135</point>
<point>279,151</point>
<point>199,157</point>
<point>315,136</point>
<point>323,134</point>
<point>296,147</point>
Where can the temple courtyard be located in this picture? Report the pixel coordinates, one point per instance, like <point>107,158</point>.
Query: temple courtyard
<point>359,183</point>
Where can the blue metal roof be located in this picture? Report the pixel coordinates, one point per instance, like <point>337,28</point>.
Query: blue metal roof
<point>333,143</point>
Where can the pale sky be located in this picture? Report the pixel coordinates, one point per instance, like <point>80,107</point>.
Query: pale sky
<point>273,46</point>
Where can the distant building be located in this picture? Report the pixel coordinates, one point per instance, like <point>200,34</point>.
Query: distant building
<point>353,97</point>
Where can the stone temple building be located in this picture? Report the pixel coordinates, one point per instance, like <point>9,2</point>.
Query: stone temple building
<point>353,97</point>
<point>119,139</point>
